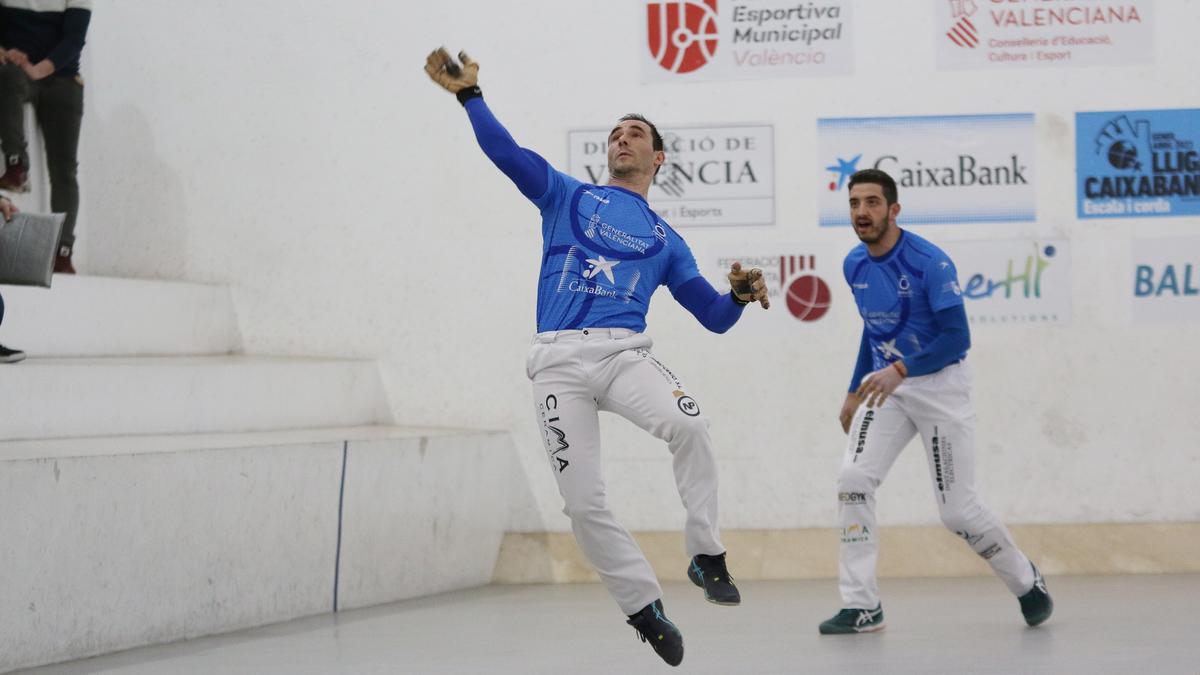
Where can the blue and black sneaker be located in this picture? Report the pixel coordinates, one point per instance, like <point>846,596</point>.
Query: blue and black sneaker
<point>850,621</point>
<point>1036,605</point>
<point>654,627</point>
<point>709,572</point>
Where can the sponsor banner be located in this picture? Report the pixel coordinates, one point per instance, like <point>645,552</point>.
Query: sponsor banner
<point>949,169</point>
<point>974,34</point>
<point>799,279</point>
<point>1016,281</point>
<point>712,176</point>
<point>1166,280</point>
<point>706,40</point>
<point>1138,163</point>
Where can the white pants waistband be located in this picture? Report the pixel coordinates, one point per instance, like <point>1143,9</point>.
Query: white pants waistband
<point>584,333</point>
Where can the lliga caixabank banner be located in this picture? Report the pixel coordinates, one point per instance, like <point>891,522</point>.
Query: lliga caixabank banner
<point>949,169</point>
<point>1138,163</point>
<point>706,40</point>
<point>1166,280</point>
<point>712,176</point>
<point>976,34</point>
<point>1018,281</point>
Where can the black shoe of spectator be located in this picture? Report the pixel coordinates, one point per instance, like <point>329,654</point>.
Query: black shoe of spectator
<point>16,174</point>
<point>11,355</point>
<point>62,264</point>
<point>709,572</point>
<point>654,627</point>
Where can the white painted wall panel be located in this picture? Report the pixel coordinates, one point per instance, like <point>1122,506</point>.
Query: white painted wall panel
<point>296,151</point>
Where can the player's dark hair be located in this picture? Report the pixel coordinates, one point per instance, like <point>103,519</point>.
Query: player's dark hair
<point>655,137</point>
<point>877,177</point>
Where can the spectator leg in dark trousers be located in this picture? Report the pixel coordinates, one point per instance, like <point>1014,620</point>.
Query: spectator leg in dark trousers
<point>59,105</point>
<point>8,355</point>
<point>15,90</point>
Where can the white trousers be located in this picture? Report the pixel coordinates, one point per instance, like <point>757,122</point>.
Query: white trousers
<point>576,374</point>
<point>939,407</point>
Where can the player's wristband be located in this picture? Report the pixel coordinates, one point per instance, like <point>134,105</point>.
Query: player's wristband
<point>739,303</point>
<point>900,368</point>
<point>467,93</point>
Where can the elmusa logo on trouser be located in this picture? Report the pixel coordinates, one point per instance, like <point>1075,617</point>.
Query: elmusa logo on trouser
<point>556,439</point>
<point>682,34</point>
<point>862,433</point>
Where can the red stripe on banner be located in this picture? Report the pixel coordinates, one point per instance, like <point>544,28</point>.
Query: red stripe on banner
<point>782,268</point>
<point>970,25</point>
<point>954,39</point>
<point>812,262</point>
<point>966,35</point>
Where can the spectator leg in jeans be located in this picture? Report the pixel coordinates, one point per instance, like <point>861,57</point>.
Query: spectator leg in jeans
<point>14,94</point>
<point>59,105</point>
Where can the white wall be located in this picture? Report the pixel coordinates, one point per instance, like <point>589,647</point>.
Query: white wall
<point>297,151</point>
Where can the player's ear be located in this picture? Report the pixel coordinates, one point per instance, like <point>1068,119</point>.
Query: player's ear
<point>893,211</point>
<point>660,158</point>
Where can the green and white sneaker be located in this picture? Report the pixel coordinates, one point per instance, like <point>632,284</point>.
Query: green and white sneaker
<point>850,621</point>
<point>1036,605</point>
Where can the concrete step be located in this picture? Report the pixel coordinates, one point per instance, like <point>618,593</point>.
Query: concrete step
<point>101,316</point>
<point>121,396</point>
<point>127,541</point>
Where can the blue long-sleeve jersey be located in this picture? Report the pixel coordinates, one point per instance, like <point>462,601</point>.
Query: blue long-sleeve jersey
<point>911,305</point>
<point>604,250</point>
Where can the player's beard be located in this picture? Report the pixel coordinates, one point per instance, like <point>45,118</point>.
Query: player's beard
<point>876,232</point>
<point>625,172</point>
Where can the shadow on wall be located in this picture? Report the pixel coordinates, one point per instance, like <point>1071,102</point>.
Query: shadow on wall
<point>138,216</point>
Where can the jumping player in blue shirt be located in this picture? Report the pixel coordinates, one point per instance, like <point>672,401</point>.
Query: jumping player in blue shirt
<point>910,378</point>
<point>604,254</point>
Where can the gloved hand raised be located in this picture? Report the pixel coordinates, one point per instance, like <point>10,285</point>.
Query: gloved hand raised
<point>748,286</point>
<point>449,75</point>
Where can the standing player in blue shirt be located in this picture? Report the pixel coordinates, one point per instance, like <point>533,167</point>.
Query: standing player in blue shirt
<point>604,254</point>
<point>912,377</point>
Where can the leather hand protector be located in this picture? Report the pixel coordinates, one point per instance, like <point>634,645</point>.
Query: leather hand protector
<point>748,286</point>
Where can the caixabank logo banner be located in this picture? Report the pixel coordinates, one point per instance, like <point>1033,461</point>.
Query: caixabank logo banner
<point>949,169</point>
<point>972,34</point>
<point>705,40</point>
<point>1138,163</point>
<point>712,176</point>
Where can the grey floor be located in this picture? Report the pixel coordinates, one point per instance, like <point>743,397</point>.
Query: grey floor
<point>1118,624</point>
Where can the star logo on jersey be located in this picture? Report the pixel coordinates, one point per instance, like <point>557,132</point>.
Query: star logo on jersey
<point>598,265</point>
<point>889,350</point>
<point>844,169</point>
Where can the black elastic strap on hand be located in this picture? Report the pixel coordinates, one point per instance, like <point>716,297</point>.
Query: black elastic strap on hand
<point>467,93</point>
<point>740,303</point>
